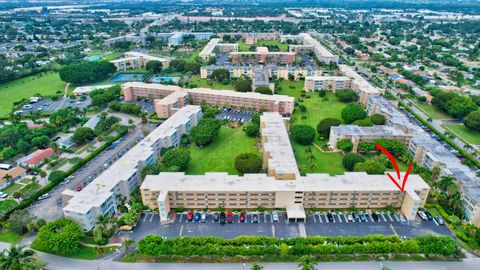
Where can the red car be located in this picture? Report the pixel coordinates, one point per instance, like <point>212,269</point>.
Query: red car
<point>229,217</point>
<point>189,216</point>
<point>242,217</point>
<point>78,188</point>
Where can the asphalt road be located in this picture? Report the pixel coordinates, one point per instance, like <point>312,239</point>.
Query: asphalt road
<point>51,208</point>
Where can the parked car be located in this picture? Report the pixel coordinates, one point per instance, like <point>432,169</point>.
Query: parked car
<point>439,220</point>
<point>355,216</point>
<point>375,217</point>
<point>275,216</point>
<point>422,215</point>
<point>197,216</point>
<point>330,217</point>
<point>78,188</point>
<point>229,217</point>
<point>44,196</point>
<point>429,216</point>
<point>349,218</point>
<point>403,218</point>
<point>362,218</point>
<point>242,217</point>
<point>255,218</point>
<point>3,195</point>
<point>216,217</point>
<point>222,218</point>
<point>204,217</point>
<point>190,216</point>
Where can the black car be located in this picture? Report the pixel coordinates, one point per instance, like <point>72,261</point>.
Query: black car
<point>429,216</point>
<point>222,218</point>
<point>330,217</point>
<point>216,217</point>
<point>255,218</point>
<point>375,217</point>
<point>355,216</point>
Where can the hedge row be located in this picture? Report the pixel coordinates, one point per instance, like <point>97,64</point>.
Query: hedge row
<point>52,184</point>
<point>155,245</point>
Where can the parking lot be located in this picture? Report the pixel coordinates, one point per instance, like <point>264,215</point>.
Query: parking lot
<point>147,105</point>
<point>235,115</point>
<point>316,224</point>
<point>53,106</point>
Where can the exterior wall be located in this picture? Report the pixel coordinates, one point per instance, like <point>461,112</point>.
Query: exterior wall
<point>326,83</point>
<point>356,139</point>
<point>410,204</point>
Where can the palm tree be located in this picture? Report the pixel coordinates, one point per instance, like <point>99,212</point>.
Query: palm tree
<point>467,146</point>
<point>446,182</point>
<point>16,257</point>
<point>102,220</point>
<point>435,173</point>
<point>307,262</point>
<point>7,177</point>
<point>255,266</point>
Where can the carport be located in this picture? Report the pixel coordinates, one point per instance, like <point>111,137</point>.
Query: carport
<point>296,213</point>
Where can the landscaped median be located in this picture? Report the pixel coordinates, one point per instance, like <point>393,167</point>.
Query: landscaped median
<point>263,248</point>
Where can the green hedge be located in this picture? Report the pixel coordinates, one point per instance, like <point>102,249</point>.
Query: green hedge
<point>52,184</point>
<point>155,245</point>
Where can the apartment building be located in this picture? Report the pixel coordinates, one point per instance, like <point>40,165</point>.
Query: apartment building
<point>217,98</point>
<point>281,187</point>
<point>330,83</point>
<point>123,176</point>
<point>429,153</point>
<point>214,46</point>
<point>357,134</point>
<point>305,43</point>
<point>262,56</point>
<point>360,84</point>
<point>127,38</point>
<point>169,105</point>
<point>274,71</point>
<point>134,60</point>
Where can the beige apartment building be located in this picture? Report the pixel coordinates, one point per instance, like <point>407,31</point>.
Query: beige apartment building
<point>274,71</point>
<point>330,83</point>
<point>281,187</point>
<point>135,60</point>
<point>217,98</point>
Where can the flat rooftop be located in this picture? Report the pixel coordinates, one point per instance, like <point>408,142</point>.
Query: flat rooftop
<point>379,130</point>
<point>223,182</point>
<point>362,84</point>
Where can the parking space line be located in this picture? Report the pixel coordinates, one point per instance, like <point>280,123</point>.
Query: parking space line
<point>273,230</point>
<point>389,217</point>
<point>151,218</point>
<point>396,216</point>
<point>320,218</point>
<point>369,215</point>
<point>181,231</point>
<point>314,220</point>
<point>145,217</point>
<point>393,229</point>
<point>383,216</point>
<point>339,218</point>
<point>326,219</point>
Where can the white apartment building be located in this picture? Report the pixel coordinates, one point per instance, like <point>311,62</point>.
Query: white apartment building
<point>123,176</point>
<point>134,60</point>
<point>330,83</point>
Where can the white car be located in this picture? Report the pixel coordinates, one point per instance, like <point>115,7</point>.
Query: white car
<point>44,196</point>
<point>275,216</point>
<point>422,215</point>
<point>349,218</point>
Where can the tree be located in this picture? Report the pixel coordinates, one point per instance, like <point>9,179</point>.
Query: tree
<point>19,258</point>
<point>7,178</point>
<point>307,262</point>
<point>220,74</point>
<point>41,141</point>
<point>353,112</point>
<point>377,119</point>
<point>87,72</point>
<point>303,134</point>
<point>248,163</point>
<point>23,146</point>
<point>366,146</point>
<point>19,221</point>
<point>264,90</point>
<point>351,159</point>
<point>460,106</point>
<point>472,120</point>
<point>205,132</point>
<point>440,100</point>
<point>345,145</point>
<point>8,153</point>
<point>323,127</point>
<point>243,85</point>
<point>371,166</point>
<point>61,236</point>
<point>177,65</point>
<point>347,95</point>
<point>154,66</point>
<point>178,157</point>
<point>83,135</point>
<point>252,130</point>
<point>56,176</point>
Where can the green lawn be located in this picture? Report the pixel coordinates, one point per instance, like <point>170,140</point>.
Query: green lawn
<point>195,79</point>
<point>468,135</point>
<point>242,47</point>
<point>219,156</point>
<point>12,188</point>
<point>84,253</point>
<point>434,112</point>
<point>317,108</point>
<point>324,162</point>
<point>29,189</point>
<point>10,92</point>
<point>10,237</point>
<point>6,206</point>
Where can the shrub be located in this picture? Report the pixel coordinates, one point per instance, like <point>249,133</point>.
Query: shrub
<point>350,159</point>
<point>303,134</point>
<point>366,146</point>
<point>323,127</point>
<point>248,163</point>
<point>347,95</point>
<point>345,145</point>
<point>205,132</point>
<point>264,90</point>
<point>252,130</point>
<point>61,236</point>
<point>472,120</point>
<point>370,166</point>
<point>366,122</point>
<point>377,119</point>
<point>176,157</point>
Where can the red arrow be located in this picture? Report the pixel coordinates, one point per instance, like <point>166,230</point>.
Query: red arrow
<point>395,165</point>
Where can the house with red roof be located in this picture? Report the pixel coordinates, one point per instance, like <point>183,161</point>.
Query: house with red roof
<point>36,158</point>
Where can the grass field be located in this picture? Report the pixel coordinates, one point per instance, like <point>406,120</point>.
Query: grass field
<point>242,47</point>
<point>220,155</point>
<point>10,92</point>
<point>469,135</point>
<point>10,237</point>
<point>195,79</point>
<point>330,163</point>
<point>84,253</point>
<point>433,112</point>
<point>317,108</point>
